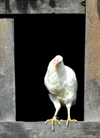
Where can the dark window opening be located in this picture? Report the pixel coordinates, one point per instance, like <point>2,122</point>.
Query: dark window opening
<point>37,41</point>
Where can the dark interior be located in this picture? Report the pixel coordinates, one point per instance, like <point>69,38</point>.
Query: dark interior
<point>38,39</point>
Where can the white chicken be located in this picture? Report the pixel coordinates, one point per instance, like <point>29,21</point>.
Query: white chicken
<point>61,83</point>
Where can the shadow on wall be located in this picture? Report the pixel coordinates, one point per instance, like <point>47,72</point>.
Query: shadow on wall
<point>34,5</point>
<point>7,6</point>
<point>98,8</point>
<point>22,5</point>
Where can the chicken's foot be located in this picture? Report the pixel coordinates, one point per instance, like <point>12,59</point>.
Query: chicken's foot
<point>54,119</point>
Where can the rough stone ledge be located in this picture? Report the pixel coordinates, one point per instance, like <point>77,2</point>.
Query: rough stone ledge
<point>39,129</point>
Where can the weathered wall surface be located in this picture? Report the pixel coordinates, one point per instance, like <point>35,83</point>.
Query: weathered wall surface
<point>41,6</point>
<point>92,61</point>
<point>7,76</point>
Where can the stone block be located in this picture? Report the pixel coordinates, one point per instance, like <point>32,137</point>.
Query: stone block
<point>7,73</point>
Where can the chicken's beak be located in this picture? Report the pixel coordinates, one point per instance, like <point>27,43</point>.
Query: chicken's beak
<point>55,64</point>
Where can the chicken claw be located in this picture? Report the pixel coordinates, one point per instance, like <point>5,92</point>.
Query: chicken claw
<point>54,119</point>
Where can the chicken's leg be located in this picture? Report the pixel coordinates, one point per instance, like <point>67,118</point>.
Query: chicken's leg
<point>54,119</point>
<point>69,118</point>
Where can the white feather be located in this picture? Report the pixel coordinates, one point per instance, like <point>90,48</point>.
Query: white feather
<point>61,82</point>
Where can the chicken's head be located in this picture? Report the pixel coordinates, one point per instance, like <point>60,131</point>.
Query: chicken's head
<point>57,60</point>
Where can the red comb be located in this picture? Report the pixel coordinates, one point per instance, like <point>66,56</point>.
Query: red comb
<point>57,60</point>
